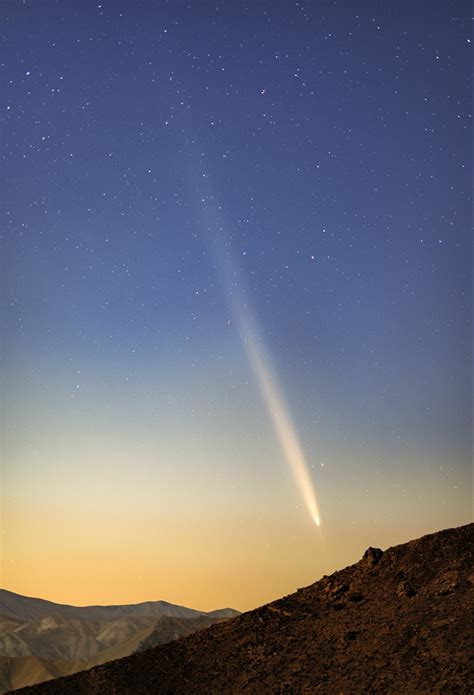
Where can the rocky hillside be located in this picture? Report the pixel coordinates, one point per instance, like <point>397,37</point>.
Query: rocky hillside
<point>399,621</point>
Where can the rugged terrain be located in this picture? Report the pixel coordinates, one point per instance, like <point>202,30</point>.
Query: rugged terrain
<point>399,621</point>
<point>40,640</point>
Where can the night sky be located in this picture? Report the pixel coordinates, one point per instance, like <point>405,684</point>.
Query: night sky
<point>183,183</point>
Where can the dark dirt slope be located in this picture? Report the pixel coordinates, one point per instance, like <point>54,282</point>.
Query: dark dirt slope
<point>395,622</point>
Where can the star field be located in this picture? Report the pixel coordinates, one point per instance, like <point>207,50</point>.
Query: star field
<point>326,147</point>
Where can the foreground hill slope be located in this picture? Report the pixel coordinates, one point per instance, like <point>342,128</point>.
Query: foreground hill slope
<point>398,621</point>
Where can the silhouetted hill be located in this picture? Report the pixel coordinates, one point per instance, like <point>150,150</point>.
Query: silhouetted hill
<point>398,621</point>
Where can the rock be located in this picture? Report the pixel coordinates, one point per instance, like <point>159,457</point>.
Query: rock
<point>355,597</point>
<point>449,582</point>
<point>372,556</point>
<point>405,589</point>
<point>339,606</point>
<point>338,589</point>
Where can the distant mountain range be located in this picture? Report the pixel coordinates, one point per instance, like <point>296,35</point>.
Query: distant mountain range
<point>26,608</point>
<point>399,621</point>
<point>40,640</point>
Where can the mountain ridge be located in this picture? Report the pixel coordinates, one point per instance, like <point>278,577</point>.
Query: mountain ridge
<point>15,605</point>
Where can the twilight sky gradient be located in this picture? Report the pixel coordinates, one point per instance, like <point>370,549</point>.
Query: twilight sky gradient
<point>173,171</point>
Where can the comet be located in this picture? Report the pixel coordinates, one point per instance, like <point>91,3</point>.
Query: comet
<point>278,412</point>
<point>258,355</point>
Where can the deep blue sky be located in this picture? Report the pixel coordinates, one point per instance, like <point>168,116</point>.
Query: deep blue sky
<point>332,142</point>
